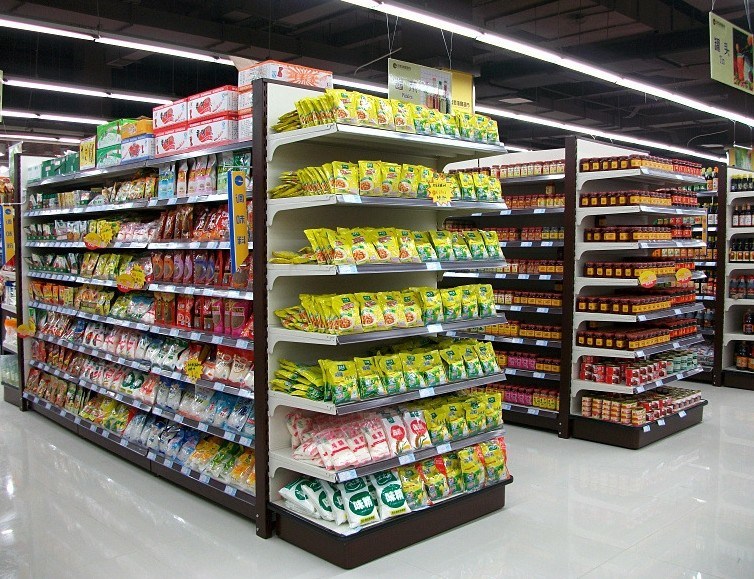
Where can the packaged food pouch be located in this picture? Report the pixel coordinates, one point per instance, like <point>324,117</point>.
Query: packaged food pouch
<point>426,176</point>
<point>396,434</point>
<point>385,244</point>
<point>455,368</point>
<point>343,106</point>
<point>434,122</point>
<point>412,309</point>
<point>432,369</point>
<point>476,418</point>
<point>358,503</point>
<point>494,459</point>
<point>341,381</point>
<point>181,179</point>
<point>392,310</point>
<point>485,300</point>
<point>403,117</point>
<point>407,251</point>
<point>451,304</point>
<point>390,497</point>
<point>471,361</point>
<point>370,178</point>
<point>385,117</point>
<point>465,126</point>
<point>475,243</point>
<point>481,186</point>
<point>495,194</point>
<point>318,497</point>
<point>437,426</point>
<point>345,180</point>
<point>450,127</point>
<point>412,371</point>
<point>362,251</point>
<point>416,426</point>
<point>347,314</point>
<point>372,318</point>
<point>487,358</point>
<point>391,368</point>
<point>370,380</point>
<point>493,410</point>
<point>408,185</point>
<point>391,175</point>
<point>455,418</point>
<point>431,301</point>
<point>421,121</point>
<point>492,242</point>
<point>413,487</point>
<point>335,501</point>
<point>434,480</point>
<point>443,244</point>
<point>471,469</point>
<point>480,128</point>
<point>453,473</point>
<point>297,497</point>
<point>424,246</point>
<point>366,112</point>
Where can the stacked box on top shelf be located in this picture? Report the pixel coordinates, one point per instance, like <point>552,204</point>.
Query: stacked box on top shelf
<point>635,308</point>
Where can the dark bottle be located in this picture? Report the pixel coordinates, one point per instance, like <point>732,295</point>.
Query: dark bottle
<point>748,323</point>
<point>742,356</point>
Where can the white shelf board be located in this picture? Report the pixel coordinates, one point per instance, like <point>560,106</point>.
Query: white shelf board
<point>577,385</point>
<point>740,231</point>
<point>730,302</point>
<point>740,195</point>
<point>518,276</point>
<point>10,346</point>
<point>582,212</point>
<point>542,343</point>
<point>527,211</point>
<point>642,174</point>
<point>582,281</point>
<point>737,336</point>
<point>642,353</point>
<point>532,179</point>
<point>584,246</point>
<point>10,308</point>
<point>579,317</point>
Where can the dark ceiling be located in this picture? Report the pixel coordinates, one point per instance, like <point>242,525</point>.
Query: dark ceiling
<point>662,42</point>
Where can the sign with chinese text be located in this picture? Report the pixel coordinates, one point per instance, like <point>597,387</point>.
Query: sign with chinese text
<point>9,241</point>
<point>731,54</point>
<point>462,92</point>
<point>238,219</point>
<point>418,84</point>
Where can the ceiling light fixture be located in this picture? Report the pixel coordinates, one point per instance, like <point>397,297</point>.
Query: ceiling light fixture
<point>164,50</point>
<point>528,50</point>
<point>53,117</point>
<point>83,91</point>
<point>30,27</point>
<point>40,138</point>
<point>357,84</point>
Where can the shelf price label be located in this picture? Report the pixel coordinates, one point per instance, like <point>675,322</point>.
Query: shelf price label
<point>193,369</point>
<point>647,278</point>
<point>441,192</point>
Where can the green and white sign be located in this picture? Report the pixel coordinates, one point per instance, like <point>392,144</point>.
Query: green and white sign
<point>419,84</point>
<point>731,54</point>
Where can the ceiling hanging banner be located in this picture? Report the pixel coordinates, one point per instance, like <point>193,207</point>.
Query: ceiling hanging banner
<point>462,92</point>
<point>418,84</point>
<point>731,54</point>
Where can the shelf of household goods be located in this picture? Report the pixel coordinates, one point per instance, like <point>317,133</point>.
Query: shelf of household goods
<point>635,437</point>
<point>203,427</point>
<point>529,309</point>
<point>629,209</point>
<point>380,140</point>
<point>577,385</point>
<point>506,339</point>
<point>130,206</point>
<point>523,276</point>
<point>634,318</point>
<point>192,335</point>
<point>276,399</point>
<point>641,174</point>
<point>641,353</point>
<point>283,458</point>
<point>582,281</point>
<point>279,334</point>
<point>208,384</point>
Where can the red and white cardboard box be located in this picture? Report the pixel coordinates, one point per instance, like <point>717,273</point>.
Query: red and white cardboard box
<point>212,132</point>
<point>213,103</point>
<point>171,142</point>
<point>136,148</point>
<point>245,126</point>
<point>245,101</point>
<point>293,73</point>
<point>169,115</point>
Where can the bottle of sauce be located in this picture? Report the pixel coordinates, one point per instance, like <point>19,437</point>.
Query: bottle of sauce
<point>748,323</point>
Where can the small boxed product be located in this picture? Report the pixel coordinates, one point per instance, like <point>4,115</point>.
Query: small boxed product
<point>34,173</point>
<point>70,163</point>
<point>245,126</point>
<point>293,73</point>
<point>213,132</point>
<point>108,156</point>
<point>171,142</point>
<point>135,128</point>
<point>141,147</point>
<point>88,153</point>
<point>245,101</point>
<point>109,133</point>
<point>170,115</point>
<point>213,103</point>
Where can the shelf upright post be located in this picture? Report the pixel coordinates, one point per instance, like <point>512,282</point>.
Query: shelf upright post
<point>720,275</point>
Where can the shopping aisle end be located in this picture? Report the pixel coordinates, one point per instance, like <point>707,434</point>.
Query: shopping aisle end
<point>677,507</point>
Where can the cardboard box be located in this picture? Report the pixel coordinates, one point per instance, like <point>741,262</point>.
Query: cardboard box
<point>293,73</point>
<point>46,168</point>
<point>171,142</point>
<point>70,163</point>
<point>213,132</point>
<point>108,134</point>
<point>33,173</point>
<point>245,101</point>
<point>213,103</point>
<point>88,153</point>
<point>135,128</point>
<point>170,115</point>
<point>108,156</point>
<point>141,147</point>
<point>244,126</point>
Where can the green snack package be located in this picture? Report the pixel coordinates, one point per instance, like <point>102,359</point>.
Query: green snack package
<point>433,369</point>
<point>443,243</point>
<point>466,184</point>
<point>391,368</point>
<point>431,305</point>
<point>424,246</point>
<point>486,300</point>
<point>476,244</point>
<point>460,250</point>
<point>492,243</point>
<point>451,304</point>
<point>370,381</point>
<point>469,305</point>
<point>455,368</point>
<point>412,371</point>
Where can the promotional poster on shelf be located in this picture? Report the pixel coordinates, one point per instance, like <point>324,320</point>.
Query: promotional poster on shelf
<point>238,219</point>
<point>418,84</point>
<point>9,244</point>
<point>731,54</point>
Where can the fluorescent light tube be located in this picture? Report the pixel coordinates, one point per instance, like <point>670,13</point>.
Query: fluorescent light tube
<point>53,117</point>
<point>136,45</point>
<point>40,138</point>
<point>68,89</point>
<point>28,26</point>
<point>357,84</point>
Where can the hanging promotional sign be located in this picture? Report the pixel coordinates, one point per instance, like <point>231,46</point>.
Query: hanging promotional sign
<point>462,92</point>
<point>238,219</point>
<point>731,54</point>
<point>418,84</point>
<point>9,235</point>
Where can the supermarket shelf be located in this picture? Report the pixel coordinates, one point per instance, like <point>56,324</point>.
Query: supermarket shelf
<point>307,202</point>
<point>91,175</point>
<point>705,263</point>
<point>235,146</point>
<point>635,437</point>
<point>10,308</point>
<point>532,374</point>
<point>382,140</point>
<point>513,410</point>
<point>732,196</point>
<point>532,179</point>
<point>201,426</point>
<point>12,395</point>
<point>521,276</point>
<point>527,211</point>
<point>280,334</point>
<point>580,317</point>
<point>582,212</point>
<point>642,353</point>
<point>348,548</point>
<point>208,384</point>
<point>582,281</point>
<point>71,278</point>
<point>529,309</point>
<point>113,442</point>
<point>737,336</point>
<point>506,339</point>
<point>283,458</point>
<point>277,399</point>
<point>118,396</point>
<point>11,347</point>
<point>190,245</point>
<point>642,174</point>
<point>143,204</point>
<point>556,243</point>
<point>740,230</point>
<point>66,419</point>
<point>96,352</point>
<point>735,378</point>
<point>583,247</point>
<point>707,331</point>
<point>701,298</point>
<point>730,302</point>
<point>200,291</point>
<point>81,245</point>
<point>577,385</point>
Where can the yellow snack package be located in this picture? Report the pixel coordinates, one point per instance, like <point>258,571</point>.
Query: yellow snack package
<point>372,318</point>
<point>370,178</point>
<point>319,251</point>
<point>466,184</point>
<point>461,251</point>
<point>471,361</point>
<point>391,368</point>
<point>407,252</point>
<point>493,134</point>
<point>366,112</point>
<point>412,309</point>
<point>494,458</point>
<point>472,469</point>
<point>464,121</point>
<point>481,186</point>
<point>426,175</point>
<point>451,304</point>
<point>455,418</point>
<point>385,117</point>
<point>325,178</point>
<point>450,126</point>
<point>413,487</point>
<point>480,128</point>
<point>475,416</point>
<point>431,305</point>
<point>403,117</point>
<point>341,381</point>
<point>369,378</point>
<point>391,175</point>
<point>385,244</point>
<point>436,425</point>
<point>433,370</point>
<point>408,185</point>
<point>453,473</point>
<point>342,251</point>
<point>345,178</point>
<point>485,300</point>
<point>424,246</point>
<point>347,314</point>
<point>476,244</point>
<point>434,480</point>
<point>492,242</point>
<point>455,188</point>
<point>495,194</point>
<point>392,310</point>
<point>421,121</point>
<point>361,250</point>
<point>343,106</point>
<point>487,358</point>
<point>493,410</point>
<point>443,244</point>
<point>454,366</point>
<point>434,122</point>
<point>412,371</point>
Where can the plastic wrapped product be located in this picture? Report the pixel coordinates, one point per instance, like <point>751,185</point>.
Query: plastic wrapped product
<point>397,437</point>
<point>390,497</point>
<point>318,496</point>
<point>297,498</point>
<point>336,500</point>
<point>416,429</point>
<point>358,503</point>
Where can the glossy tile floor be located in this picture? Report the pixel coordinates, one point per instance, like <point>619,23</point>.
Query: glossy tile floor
<point>683,507</point>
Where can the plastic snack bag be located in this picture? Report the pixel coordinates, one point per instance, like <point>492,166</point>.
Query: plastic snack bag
<point>481,186</point>
<point>407,251</point>
<point>408,185</point>
<point>434,479</point>
<point>372,318</point>
<point>390,497</point>
<point>432,368</point>
<point>318,497</point>
<point>451,304</point>
<point>391,368</point>
<point>403,117</point>
<point>424,246</point>
<point>336,500</point>
<point>431,305</point>
<point>466,184</point>
<point>436,425</point>
<point>487,358</point>
<point>418,436</point>
<point>391,174</point>
<point>455,368</point>
<point>297,498</point>
<point>442,240</point>
<point>476,245</point>
<point>376,439</point>
<point>392,310</point>
<point>412,309</point>
<point>397,437</point>
<point>412,371</point>
<point>413,487</point>
<point>370,381</point>
<point>494,459</point>
<point>358,503</point>
<point>485,300</point>
<point>472,469</point>
<point>345,179</point>
<point>370,178</point>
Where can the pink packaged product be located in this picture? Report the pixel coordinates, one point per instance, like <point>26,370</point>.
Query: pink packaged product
<point>141,147</point>
<point>213,103</point>
<point>245,100</point>
<point>213,132</point>
<point>285,71</point>
<point>171,142</point>
<point>244,127</point>
<point>170,115</point>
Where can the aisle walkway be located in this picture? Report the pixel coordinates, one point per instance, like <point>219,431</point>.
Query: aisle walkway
<point>680,508</point>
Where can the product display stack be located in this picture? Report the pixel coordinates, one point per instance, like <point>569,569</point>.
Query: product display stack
<point>635,306</point>
<point>382,430</point>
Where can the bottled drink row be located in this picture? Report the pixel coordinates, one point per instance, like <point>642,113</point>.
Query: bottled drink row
<point>742,249</point>
<point>742,183</point>
<point>743,215</point>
